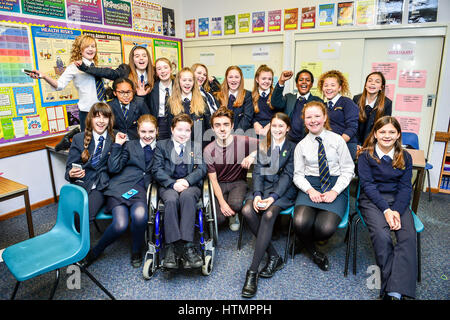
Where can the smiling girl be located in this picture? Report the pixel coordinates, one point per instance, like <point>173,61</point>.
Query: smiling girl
<point>372,103</point>
<point>204,84</point>
<point>261,95</point>
<point>323,171</point>
<point>385,172</point>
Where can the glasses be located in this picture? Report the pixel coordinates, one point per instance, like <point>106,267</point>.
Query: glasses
<point>125,93</point>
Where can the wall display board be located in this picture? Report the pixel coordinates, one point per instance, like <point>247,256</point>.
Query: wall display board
<point>31,108</point>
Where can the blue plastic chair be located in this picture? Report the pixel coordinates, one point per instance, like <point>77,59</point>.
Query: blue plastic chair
<point>417,224</point>
<point>101,215</point>
<point>62,246</point>
<point>410,139</point>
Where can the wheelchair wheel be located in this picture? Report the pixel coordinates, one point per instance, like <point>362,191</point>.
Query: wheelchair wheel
<point>207,265</point>
<point>147,270</point>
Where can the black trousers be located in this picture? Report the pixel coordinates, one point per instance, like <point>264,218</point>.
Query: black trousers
<point>398,263</point>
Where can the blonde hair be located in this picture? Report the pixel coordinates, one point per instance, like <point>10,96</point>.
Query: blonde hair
<point>342,81</point>
<point>150,70</point>
<point>205,84</point>
<point>222,95</point>
<point>197,103</point>
<point>79,44</point>
<point>255,91</point>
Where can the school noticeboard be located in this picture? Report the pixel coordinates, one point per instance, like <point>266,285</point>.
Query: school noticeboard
<point>30,108</point>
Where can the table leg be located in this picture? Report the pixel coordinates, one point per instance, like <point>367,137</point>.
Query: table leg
<point>28,214</point>
<point>418,189</point>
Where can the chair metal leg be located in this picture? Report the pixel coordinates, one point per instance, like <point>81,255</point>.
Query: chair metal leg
<point>83,269</point>
<point>348,239</point>
<point>96,226</point>
<point>419,259</point>
<point>241,230</point>
<point>54,285</point>
<point>288,241</point>
<point>15,290</point>
<point>355,243</point>
<point>427,172</point>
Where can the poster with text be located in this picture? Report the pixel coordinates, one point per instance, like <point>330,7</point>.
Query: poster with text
<point>10,5</point>
<point>345,13</point>
<point>390,12</point>
<point>258,21</point>
<point>274,20</point>
<point>216,26</point>
<point>170,50</point>
<point>147,17</point>
<point>45,8</point>
<point>365,13</point>
<point>244,22</point>
<point>229,24</point>
<point>203,27</point>
<point>168,16</point>
<point>109,49</point>
<point>308,19</point>
<point>117,13</point>
<point>129,41</point>
<point>326,14</point>
<point>420,11</point>
<point>291,19</point>
<point>84,11</point>
<point>190,28</point>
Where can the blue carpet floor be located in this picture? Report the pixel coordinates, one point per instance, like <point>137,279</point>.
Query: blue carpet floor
<point>300,279</point>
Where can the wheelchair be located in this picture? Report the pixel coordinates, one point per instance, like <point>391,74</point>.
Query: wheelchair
<point>206,223</point>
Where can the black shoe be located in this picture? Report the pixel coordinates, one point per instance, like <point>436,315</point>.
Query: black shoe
<point>170,259</point>
<point>321,260</point>
<point>387,297</point>
<point>250,285</point>
<point>191,258</point>
<point>273,264</point>
<point>88,260</point>
<point>136,260</point>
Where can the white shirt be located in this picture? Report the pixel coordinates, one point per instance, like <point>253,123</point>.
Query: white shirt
<point>177,147</point>
<point>372,105</point>
<point>266,91</point>
<point>306,162</point>
<point>152,145</point>
<point>162,97</point>
<point>380,153</point>
<point>189,96</point>
<point>306,96</point>
<point>141,74</point>
<point>85,84</point>
<point>335,99</point>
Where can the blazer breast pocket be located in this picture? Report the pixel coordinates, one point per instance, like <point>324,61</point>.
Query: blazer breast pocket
<point>338,108</point>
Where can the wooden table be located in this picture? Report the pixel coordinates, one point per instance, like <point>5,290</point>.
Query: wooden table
<point>418,158</point>
<point>10,189</point>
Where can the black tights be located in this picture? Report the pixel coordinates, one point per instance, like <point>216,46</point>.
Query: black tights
<point>139,217</point>
<point>311,224</point>
<point>261,225</point>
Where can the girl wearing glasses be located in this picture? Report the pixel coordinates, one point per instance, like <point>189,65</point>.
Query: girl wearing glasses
<point>127,107</point>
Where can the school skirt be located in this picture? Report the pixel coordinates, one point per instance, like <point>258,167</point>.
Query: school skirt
<point>141,196</point>
<point>338,206</point>
<point>285,201</point>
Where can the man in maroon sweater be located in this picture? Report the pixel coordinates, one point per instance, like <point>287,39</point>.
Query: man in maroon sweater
<point>228,158</point>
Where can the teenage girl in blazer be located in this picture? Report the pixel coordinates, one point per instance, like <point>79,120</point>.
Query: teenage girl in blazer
<point>139,70</point>
<point>158,99</point>
<point>202,78</point>
<point>179,169</point>
<point>130,166</point>
<point>292,104</point>
<point>385,171</point>
<point>272,192</point>
<point>372,103</point>
<point>322,200</point>
<point>233,95</point>
<point>186,98</point>
<point>261,96</point>
<point>87,162</point>
<point>342,111</point>
<point>127,107</point>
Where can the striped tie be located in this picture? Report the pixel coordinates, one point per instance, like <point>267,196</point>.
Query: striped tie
<point>99,87</point>
<point>98,152</point>
<point>125,112</point>
<point>324,171</point>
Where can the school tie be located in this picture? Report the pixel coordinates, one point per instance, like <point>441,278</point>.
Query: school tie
<point>142,78</point>
<point>231,100</point>
<point>187,105</point>
<point>98,152</point>
<point>99,87</point>
<point>330,105</point>
<point>166,102</point>
<point>125,112</point>
<point>148,152</point>
<point>181,151</point>
<point>263,95</point>
<point>324,171</point>
<point>386,159</point>
<point>209,98</point>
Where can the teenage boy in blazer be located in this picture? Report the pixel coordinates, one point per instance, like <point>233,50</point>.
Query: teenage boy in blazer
<point>292,104</point>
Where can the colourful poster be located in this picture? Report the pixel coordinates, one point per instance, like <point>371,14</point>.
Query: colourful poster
<point>412,78</point>
<point>258,21</point>
<point>52,56</point>
<point>34,125</point>
<point>291,19</point>
<point>365,12</point>
<point>308,20</point>
<point>109,49</point>
<point>409,102</point>
<point>229,24</point>
<point>216,26</point>
<point>248,70</point>
<point>147,17</point>
<point>345,13</point>
<point>244,22</point>
<point>389,90</point>
<point>190,28</point>
<point>7,128</point>
<point>409,124</point>
<point>421,11</point>
<point>274,20</point>
<point>84,11</point>
<point>170,50</point>
<point>45,8</point>
<point>6,102</point>
<point>24,100</point>
<point>55,117</point>
<point>326,14</point>
<point>388,69</point>
<point>19,127</point>
<point>128,42</point>
<point>10,5</point>
<point>203,27</point>
<point>15,55</point>
<point>390,12</point>
<point>168,17</point>
<point>117,13</point>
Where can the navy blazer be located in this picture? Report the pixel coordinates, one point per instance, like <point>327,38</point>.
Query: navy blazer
<point>344,118</point>
<point>243,115</point>
<point>273,177</point>
<point>152,100</point>
<point>136,109</point>
<point>108,73</point>
<point>165,160</point>
<point>364,128</point>
<point>127,167</point>
<point>99,174</point>
<point>286,103</point>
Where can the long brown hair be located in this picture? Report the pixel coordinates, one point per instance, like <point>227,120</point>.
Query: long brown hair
<point>339,76</point>
<point>197,103</point>
<point>222,95</point>
<point>133,73</point>
<point>265,145</point>
<point>255,91</point>
<point>205,84</point>
<point>369,145</point>
<point>322,107</point>
<point>381,97</point>
<point>96,109</point>
<point>79,44</point>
